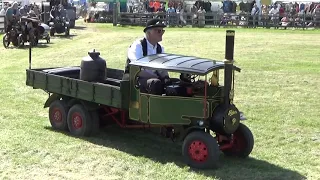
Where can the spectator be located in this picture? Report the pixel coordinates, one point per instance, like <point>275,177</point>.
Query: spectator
<point>180,12</point>
<point>254,13</point>
<point>171,15</point>
<point>201,17</point>
<point>274,14</point>
<point>264,15</point>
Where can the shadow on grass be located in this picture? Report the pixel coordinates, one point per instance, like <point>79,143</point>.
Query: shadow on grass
<point>40,45</point>
<point>63,36</point>
<point>25,47</point>
<point>145,143</point>
<point>79,27</point>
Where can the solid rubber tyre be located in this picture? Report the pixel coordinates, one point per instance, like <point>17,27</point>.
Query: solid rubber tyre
<point>95,122</point>
<point>79,121</point>
<point>200,150</point>
<point>6,41</point>
<point>243,142</point>
<point>58,111</point>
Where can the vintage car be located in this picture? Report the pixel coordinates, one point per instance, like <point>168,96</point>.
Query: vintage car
<point>207,121</point>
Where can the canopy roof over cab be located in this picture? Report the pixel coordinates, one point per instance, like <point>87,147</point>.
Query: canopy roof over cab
<point>179,63</point>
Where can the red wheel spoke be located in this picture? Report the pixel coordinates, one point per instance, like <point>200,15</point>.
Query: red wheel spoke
<point>57,115</point>
<point>76,120</point>
<point>198,151</point>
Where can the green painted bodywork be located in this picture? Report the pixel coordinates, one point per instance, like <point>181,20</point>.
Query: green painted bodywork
<point>174,110</point>
<point>146,108</point>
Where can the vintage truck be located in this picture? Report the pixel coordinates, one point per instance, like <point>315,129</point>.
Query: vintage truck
<point>196,110</point>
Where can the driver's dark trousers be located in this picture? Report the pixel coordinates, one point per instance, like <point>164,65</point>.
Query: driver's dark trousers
<point>154,85</point>
<point>151,86</point>
<point>148,85</point>
<point>8,27</point>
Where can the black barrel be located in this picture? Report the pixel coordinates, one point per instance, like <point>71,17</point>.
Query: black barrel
<point>93,68</point>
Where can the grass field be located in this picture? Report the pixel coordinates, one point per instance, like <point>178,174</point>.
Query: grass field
<point>278,90</point>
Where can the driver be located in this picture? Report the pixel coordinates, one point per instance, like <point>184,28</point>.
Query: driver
<point>151,81</point>
<point>53,13</point>
<point>62,12</point>
<point>12,14</point>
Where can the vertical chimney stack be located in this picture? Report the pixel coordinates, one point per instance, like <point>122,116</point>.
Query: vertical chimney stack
<point>228,68</point>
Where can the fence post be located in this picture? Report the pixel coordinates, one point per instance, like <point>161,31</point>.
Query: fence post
<point>2,22</point>
<point>248,20</point>
<point>304,21</point>
<point>115,14</point>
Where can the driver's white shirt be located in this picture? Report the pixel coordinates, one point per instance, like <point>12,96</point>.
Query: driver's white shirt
<point>2,12</point>
<point>135,52</point>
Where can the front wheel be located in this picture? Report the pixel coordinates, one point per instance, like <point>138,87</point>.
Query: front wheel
<point>243,142</point>
<point>200,150</point>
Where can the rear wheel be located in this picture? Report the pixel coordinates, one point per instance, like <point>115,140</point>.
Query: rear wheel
<point>58,111</point>
<point>35,41</point>
<point>72,23</point>
<point>95,121</point>
<point>6,41</point>
<point>200,150</point>
<point>80,121</point>
<point>243,143</point>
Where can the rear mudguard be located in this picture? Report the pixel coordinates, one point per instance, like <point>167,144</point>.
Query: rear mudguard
<point>89,106</point>
<point>51,98</point>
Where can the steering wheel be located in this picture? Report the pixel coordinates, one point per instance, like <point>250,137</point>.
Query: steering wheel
<point>193,78</point>
<point>188,77</point>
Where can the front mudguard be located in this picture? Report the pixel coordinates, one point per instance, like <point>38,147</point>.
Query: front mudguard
<point>187,131</point>
<point>242,116</point>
